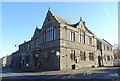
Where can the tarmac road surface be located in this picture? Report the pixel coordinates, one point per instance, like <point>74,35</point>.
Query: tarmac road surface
<point>102,73</point>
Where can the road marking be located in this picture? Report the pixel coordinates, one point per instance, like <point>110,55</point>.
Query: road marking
<point>114,75</point>
<point>73,75</point>
<point>87,73</point>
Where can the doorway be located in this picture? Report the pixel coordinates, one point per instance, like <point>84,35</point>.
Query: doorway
<point>36,58</point>
<point>99,60</point>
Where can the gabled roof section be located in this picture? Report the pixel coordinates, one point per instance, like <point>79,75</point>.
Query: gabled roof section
<point>61,19</point>
<point>88,30</point>
<point>107,42</point>
<point>37,31</point>
<point>64,21</point>
<point>104,41</point>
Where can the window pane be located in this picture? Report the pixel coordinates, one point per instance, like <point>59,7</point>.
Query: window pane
<point>108,58</point>
<point>54,34</point>
<point>91,57</point>
<point>90,40</point>
<point>82,56</point>
<point>82,37</point>
<point>50,34</point>
<point>72,55</point>
<point>72,36</point>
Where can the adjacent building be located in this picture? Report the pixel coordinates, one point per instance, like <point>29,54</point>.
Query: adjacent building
<point>116,52</point>
<point>8,60</point>
<point>4,61</point>
<point>62,44</point>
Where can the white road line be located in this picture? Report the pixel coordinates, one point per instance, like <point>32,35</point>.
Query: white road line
<point>116,75</point>
<point>87,73</point>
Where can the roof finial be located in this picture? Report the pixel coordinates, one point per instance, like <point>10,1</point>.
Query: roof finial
<point>80,18</point>
<point>36,26</point>
<point>49,8</point>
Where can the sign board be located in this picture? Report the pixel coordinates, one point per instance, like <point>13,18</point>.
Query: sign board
<point>36,55</point>
<point>57,53</point>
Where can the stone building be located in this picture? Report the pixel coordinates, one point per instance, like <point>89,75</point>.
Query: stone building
<point>8,62</point>
<point>0,62</point>
<point>62,44</point>
<point>105,53</point>
<point>15,59</point>
<point>4,61</point>
<point>24,54</point>
<point>116,52</point>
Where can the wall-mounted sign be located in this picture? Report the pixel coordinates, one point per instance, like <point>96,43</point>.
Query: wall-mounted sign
<point>36,55</point>
<point>57,53</point>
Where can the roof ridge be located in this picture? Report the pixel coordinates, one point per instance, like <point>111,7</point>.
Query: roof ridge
<point>64,18</point>
<point>61,19</point>
<point>65,21</point>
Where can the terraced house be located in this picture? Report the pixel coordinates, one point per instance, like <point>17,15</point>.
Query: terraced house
<point>62,44</point>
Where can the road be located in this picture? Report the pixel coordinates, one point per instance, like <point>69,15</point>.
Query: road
<point>102,73</point>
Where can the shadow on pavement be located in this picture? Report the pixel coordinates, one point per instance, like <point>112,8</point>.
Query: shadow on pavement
<point>22,70</point>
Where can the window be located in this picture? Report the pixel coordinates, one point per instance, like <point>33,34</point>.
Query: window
<point>91,57</point>
<point>99,45</point>
<point>48,19</point>
<point>104,47</point>
<point>82,37</point>
<point>108,58</point>
<point>107,48</point>
<point>105,57</point>
<point>72,36</point>
<point>90,40</point>
<point>82,56</point>
<point>54,34</point>
<point>32,44</point>
<point>72,55</point>
<point>28,46</point>
<point>50,34</point>
<point>36,43</point>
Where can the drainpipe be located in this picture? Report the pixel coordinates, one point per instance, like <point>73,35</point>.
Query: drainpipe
<point>101,56</point>
<point>66,46</point>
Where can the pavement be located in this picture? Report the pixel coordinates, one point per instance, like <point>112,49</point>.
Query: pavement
<point>73,71</point>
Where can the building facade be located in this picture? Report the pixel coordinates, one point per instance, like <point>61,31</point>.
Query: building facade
<point>4,61</point>
<point>8,60</point>
<point>116,52</point>
<point>61,44</point>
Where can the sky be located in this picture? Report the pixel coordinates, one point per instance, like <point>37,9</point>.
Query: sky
<point>19,20</point>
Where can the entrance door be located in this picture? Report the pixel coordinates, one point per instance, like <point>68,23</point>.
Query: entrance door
<point>36,60</point>
<point>99,60</point>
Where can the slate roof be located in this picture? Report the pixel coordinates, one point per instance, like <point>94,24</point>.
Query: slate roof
<point>63,20</point>
<point>104,41</point>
